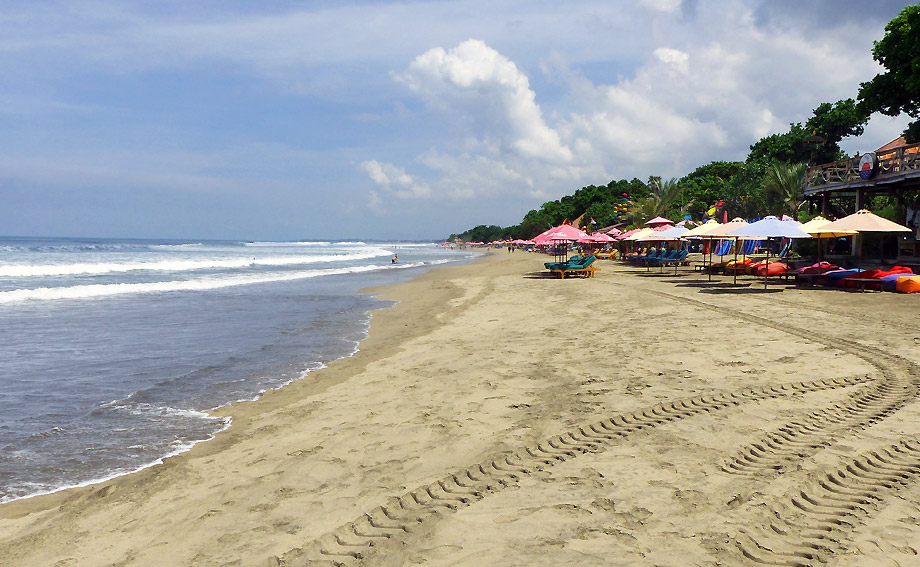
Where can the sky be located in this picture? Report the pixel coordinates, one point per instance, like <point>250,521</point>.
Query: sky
<point>393,120</point>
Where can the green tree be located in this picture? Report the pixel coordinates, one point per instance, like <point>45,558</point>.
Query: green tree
<point>834,122</point>
<point>664,193</point>
<point>784,184</point>
<point>535,222</point>
<point>744,193</point>
<point>707,185</point>
<point>897,90</point>
<point>831,123</point>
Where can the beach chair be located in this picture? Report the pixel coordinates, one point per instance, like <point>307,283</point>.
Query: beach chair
<point>667,256</point>
<point>654,254</point>
<point>785,248</point>
<point>675,258</point>
<point>724,248</point>
<point>749,247</point>
<point>583,267</point>
<point>573,259</point>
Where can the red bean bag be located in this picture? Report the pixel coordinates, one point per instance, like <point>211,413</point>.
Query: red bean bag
<point>771,269</point>
<point>876,275</point>
<point>819,268</point>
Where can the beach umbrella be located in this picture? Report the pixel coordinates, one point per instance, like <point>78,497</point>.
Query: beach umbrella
<point>640,234</point>
<point>564,233</point>
<point>721,232</point>
<point>766,228</point>
<point>561,232</point>
<point>713,230</point>
<point>702,233</point>
<point>602,238</point>
<point>769,227</point>
<point>701,230</point>
<point>864,221</point>
<point>673,233</point>
<point>659,220</point>
<point>628,233</point>
<point>816,228</point>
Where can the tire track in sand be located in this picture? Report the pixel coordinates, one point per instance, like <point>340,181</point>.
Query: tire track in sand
<point>812,522</point>
<point>806,436</point>
<point>395,520</point>
<point>387,525</point>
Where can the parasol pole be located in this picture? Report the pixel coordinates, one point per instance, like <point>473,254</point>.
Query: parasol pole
<point>766,266</point>
<point>735,280</point>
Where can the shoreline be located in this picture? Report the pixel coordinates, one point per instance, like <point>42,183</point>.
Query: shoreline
<point>242,412</point>
<point>488,359</point>
<point>219,411</point>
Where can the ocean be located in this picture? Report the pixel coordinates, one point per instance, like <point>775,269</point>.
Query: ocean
<point>113,351</point>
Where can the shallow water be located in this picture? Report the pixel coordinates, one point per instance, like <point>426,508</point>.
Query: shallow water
<point>113,350</point>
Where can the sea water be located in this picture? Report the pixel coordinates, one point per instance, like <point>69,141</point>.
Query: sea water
<point>112,351</point>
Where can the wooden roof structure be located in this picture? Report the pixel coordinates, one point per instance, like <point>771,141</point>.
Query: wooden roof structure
<point>896,167</point>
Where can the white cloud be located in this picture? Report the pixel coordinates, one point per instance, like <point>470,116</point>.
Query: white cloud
<point>490,87</point>
<point>395,180</point>
<point>667,6</point>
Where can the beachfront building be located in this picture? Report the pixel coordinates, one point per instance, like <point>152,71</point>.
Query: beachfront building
<point>843,186</point>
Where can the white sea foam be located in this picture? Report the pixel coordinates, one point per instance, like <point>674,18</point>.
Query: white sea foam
<point>203,284</point>
<point>177,448</point>
<point>321,243</point>
<point>187,245</point>
<point>99,268</point>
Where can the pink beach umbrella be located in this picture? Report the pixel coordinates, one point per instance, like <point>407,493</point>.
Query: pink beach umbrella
<point>628,233</point>
<point>659,220</point>
<point>559,233</point>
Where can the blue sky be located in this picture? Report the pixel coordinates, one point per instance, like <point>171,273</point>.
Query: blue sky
<point>407,120</point>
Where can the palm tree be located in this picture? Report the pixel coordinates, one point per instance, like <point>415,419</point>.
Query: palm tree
<point>662,196</point>
<point>786,184</point>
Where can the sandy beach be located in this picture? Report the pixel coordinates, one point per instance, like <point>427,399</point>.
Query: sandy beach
<point>498,417</point>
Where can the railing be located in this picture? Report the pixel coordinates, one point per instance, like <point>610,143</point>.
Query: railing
<point>903,161</point>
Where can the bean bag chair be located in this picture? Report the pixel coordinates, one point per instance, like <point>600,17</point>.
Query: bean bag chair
<point>771,269</point>
<point>742,266</point>
<point>877,274</point>
<point>904,270</point>
<point>835,277</point>
<point>819,268</point>
<point>890,282</point>
<point>908,284</point>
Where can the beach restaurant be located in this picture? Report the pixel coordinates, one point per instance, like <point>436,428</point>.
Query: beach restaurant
<point>842,187</point>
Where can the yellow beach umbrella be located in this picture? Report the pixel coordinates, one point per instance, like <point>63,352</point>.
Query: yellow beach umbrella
<point>864,221</point>
<point>702,230</point>
<point>817,228</point>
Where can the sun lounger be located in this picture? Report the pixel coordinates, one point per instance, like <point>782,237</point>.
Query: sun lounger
<point>651,256</point>
<point>676,258</point>
<point>583,267</point>
<point>556,265</point>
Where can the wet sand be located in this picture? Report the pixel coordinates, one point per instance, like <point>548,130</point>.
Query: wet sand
<point>498,417</point>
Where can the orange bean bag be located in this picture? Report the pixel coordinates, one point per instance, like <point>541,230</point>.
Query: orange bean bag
<point>908,284</point>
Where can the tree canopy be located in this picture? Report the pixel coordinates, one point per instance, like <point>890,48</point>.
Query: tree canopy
<point>897,90</point>
<point>818,140</point>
